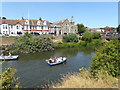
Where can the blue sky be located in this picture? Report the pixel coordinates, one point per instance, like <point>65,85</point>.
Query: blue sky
<point>91,14</point>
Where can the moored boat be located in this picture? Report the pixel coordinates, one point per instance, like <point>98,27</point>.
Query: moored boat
<point>7,58</point>
<point>58,61</point>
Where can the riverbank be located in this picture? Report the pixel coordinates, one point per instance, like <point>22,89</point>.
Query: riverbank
<point>96,43</point>
<point>6,41</point>
<point>85,80</point>
<point>32,44</point>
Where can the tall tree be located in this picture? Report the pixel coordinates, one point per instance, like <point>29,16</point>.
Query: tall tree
<point>118,29</point>
<point>3,17</point>
<point>81,28</point>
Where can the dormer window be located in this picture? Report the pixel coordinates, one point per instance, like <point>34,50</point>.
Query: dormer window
<point>44,23</point>
<point>38,23</point>
<point>27,22</point>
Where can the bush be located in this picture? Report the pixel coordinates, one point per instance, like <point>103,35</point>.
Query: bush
<point>95,43</point>
<point>29,43</point>
<point>96,36</point>
<point>107,59</point>
<point>67,45</point>
<point>9,79</point>
<point>70,38</point>
<point>83,43</point>
<point>87,36</point>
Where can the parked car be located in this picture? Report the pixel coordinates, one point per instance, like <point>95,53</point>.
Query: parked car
<point>2,35</point>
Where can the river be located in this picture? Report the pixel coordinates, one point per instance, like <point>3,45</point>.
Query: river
<point>33,71</point>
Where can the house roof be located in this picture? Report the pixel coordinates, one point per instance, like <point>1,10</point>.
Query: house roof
<point>9,21</point>
<point>60,22</point>
<point>22,22</point>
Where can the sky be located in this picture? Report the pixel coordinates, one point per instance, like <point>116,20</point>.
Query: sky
<point>91,14</point>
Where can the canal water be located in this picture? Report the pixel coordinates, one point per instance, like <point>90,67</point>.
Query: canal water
<point>33,71</point>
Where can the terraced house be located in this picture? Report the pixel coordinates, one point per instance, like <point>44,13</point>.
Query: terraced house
<point>19,27</point>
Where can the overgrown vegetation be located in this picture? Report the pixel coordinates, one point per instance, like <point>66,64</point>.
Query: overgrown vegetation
<point>88,36</point>
<point>70,38</point>
<point>31,44</point>
<point>107,59</point>
<point>67,45</point>
<point>85,79</point>
<point>88,40</point>
<point>8,79</point>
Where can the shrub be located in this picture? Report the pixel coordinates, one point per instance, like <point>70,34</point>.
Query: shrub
<point>9,79</point>
<point>28,44</point>
<point>107,59</point>
<point>87,36</point>
<point>70,38</point>
<point>83,43</point>
<point>96,36</point>
<point>67,45</point>
<point>95,42</point>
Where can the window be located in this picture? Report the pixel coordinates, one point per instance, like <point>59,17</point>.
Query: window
<point>38,22</point>
<point>17,27</point>
<point>6,26</point>
<point>42,27</point>
<point>3,26</point>
<point>27,27</point>
<point>44,23</point>
<point>11,26</point>
<point>27,22</point>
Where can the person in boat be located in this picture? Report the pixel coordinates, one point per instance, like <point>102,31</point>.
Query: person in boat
<point>50,60</point>
<point>2,55</point>
<point>59,60</point>
<point>9,55</point>
<point>54,59</point>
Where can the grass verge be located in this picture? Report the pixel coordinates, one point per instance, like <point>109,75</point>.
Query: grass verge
<point>85,80</point>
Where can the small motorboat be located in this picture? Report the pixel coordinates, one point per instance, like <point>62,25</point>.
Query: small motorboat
<point>8,58</point>
<point>58,61</point>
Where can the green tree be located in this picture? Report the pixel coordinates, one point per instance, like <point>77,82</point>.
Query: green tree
<point>3,17</point>
<point>107,59</point>
<point>87,36</point>
<point>81,28</point>
<point>96,36</point>
<point>118,29</point>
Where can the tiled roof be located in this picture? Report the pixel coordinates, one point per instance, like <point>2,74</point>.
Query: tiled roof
<point>9,21</point>
<point>22,22</point>
<point>60,22</point>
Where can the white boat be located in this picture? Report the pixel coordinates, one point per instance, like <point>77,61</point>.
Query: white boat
<point>7,58</point>
<point>58,61</point>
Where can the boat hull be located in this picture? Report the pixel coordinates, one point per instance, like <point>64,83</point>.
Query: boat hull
<point>53,64</point>
<point>6,58</point>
